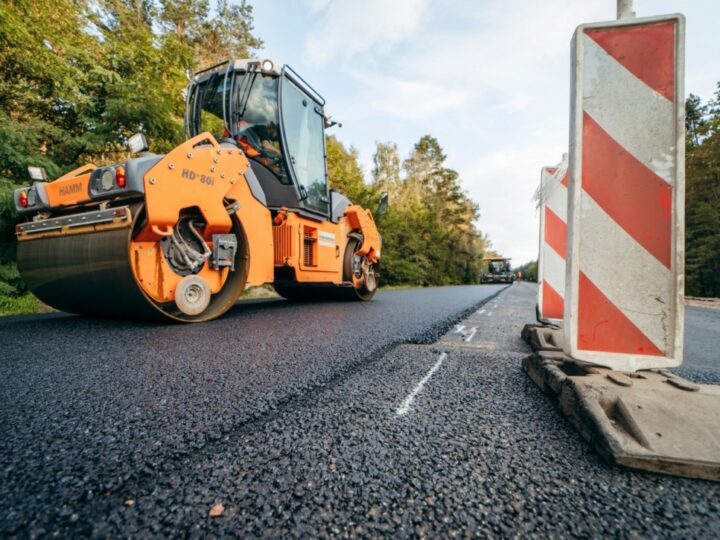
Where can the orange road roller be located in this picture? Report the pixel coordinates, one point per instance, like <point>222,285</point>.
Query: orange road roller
<point>243,201</point>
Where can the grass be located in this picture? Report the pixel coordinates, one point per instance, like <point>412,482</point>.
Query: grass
<point>23,304</point>
<point>27,304</point>
<point>398,287</point>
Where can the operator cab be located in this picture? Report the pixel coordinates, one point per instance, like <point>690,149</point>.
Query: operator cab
<point>277,120</point>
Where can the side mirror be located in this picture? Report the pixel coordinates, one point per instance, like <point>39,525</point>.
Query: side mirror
<point>137,143</point>
<point>382,204</point>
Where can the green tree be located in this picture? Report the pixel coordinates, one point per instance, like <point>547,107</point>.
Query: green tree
<point>344,172</point>
<point>702,197</point>
<point>80,76</point>
<point>386,170</point>
<point>429,235</point>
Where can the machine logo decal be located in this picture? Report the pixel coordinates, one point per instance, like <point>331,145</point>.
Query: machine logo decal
<point>71,189</point>
<point>326,239</point>
<point>192,175</point>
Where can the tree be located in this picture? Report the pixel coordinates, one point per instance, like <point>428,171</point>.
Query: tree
<point>80,76</point>
<point>429,235</point>
<point>228,35</point>
<point>702,197</point>
<point>386,170</point>
<point>344,172</point>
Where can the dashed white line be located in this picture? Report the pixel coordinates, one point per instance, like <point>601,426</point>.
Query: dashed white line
<point>468,339</point>
<point>481,311</point>
<point>405,406</point>
<point>459,329</point>
<point>489,313</point>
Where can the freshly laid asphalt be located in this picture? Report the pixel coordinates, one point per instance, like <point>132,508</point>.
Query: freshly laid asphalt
<point>292,417</point>
<point>702,345</point>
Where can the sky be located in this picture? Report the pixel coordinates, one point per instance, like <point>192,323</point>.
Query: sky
<point>490,79</point>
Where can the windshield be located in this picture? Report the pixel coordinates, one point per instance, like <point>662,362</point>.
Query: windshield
<point>498,267</point>
<point>209,105</point>
<point>304,138</point>
<point>255,116</point>
<point>256,121</point>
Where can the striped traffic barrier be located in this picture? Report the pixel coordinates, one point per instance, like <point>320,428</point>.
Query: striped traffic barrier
<point>553,233</point>
<point>624,292</point>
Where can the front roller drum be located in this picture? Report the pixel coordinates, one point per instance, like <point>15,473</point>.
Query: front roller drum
<point>91,274</point>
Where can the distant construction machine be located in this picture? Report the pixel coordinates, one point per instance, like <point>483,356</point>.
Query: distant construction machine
<point>178,236</point>
<point>498,271</point>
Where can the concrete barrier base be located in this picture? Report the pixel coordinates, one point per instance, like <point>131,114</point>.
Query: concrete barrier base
<point>651,420</point>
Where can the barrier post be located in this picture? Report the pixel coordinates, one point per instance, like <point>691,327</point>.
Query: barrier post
<point>553,234</point>
<point>624,299</point>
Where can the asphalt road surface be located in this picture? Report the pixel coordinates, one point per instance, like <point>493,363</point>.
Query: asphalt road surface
<point>316,420</point>
<point>702,345</point>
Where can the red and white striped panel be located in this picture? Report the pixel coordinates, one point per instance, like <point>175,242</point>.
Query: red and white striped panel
<point>624,303</point>
<point>553,233</point>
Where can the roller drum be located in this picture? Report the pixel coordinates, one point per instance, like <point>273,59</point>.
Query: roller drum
<point>90,274</point>
<point>87,274</point>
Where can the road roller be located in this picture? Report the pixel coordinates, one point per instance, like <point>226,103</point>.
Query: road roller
<point>243,201</point>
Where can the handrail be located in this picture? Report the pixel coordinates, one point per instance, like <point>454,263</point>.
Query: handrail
<point>211,67</point>
<point>298,80</point>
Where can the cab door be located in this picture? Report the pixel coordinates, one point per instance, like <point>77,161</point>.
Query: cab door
<point>303,137</point>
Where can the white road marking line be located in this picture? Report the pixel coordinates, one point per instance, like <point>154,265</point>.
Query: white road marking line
<point>473,330</point>
<point>405,407</point>
<point>489,313</point>
<point>459,329</point>
<point>481,311</point>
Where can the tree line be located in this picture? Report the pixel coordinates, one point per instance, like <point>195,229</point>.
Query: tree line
<point>702,196</point>
<point>429,234</point>
<point>80,76</point>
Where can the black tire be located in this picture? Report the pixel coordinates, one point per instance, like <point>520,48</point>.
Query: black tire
<point>361,293</point>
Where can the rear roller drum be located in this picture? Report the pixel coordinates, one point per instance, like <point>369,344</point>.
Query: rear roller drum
<point>92,274</point>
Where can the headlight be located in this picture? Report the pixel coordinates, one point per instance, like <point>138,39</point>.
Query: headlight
<point>107,179</point>
<point>32,197</point>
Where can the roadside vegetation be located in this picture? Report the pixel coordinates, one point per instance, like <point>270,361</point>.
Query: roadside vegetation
<point>702,197</point>
<point>529,271</point>
<point>78,77</point>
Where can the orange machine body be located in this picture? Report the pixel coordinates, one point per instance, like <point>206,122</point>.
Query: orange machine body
<point>180,235</point>
<point>204,177</point>
<point>71,188</point>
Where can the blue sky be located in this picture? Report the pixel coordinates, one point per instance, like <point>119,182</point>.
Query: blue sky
<point>489,79</point>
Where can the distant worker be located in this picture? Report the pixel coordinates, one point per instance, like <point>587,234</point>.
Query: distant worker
<point>519,275</point>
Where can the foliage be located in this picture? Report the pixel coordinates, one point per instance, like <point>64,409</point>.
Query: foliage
<point>80,76</point>
<point>344,172</point>
<point>429,235</point>
<point>529,271</point>
<point>702,197</point>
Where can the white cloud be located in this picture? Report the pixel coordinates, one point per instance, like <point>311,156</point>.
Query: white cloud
<point>490,80</point>
<point>412,100</point>
<point>503,183</point>
<point>348,28</point>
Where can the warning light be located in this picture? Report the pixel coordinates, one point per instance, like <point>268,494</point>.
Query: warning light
<point>23,199</point>
<point>120,176</point>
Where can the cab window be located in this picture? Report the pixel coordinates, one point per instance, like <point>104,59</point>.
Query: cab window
<point>255,125</point>
<point>304,132</point>
<point>209,103</point>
